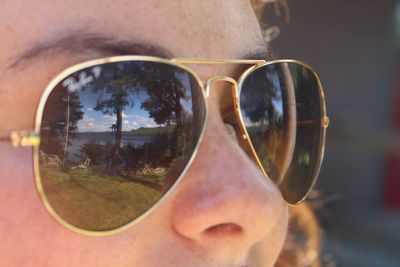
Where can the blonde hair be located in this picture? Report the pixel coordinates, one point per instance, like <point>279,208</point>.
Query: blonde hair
<point>303,242</point>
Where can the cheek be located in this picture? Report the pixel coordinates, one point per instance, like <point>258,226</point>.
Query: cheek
<point>20,212</point>
<point>273,244</point>
<point>24,222</point>
<point>31,237</point>
<point>17,187</point>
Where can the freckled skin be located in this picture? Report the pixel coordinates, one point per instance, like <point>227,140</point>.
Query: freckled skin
<point>223,213</point>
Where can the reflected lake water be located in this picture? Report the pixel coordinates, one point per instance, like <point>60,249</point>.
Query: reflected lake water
<point>103,138</point>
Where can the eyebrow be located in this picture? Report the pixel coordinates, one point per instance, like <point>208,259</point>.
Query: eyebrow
<point>263,52</point>
<point>83,42</point>
<point>86,43</point>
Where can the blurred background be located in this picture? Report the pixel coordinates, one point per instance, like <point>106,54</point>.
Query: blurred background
<point>354,45</point>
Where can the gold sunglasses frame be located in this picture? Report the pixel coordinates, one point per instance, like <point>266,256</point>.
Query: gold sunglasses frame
<point>32,138</point>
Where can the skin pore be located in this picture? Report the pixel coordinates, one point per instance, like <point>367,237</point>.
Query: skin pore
<point>224,213</point>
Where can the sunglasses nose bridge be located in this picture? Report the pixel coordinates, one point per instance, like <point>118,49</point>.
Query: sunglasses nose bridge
<point>235,91</point>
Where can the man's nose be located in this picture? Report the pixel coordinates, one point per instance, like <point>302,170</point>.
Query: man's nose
<point>224,201</point>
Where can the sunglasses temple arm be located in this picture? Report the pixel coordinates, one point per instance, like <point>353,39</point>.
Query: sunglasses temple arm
<point>22,138</point>
<point>325,121</point>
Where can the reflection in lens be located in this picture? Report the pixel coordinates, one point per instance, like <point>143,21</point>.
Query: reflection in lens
<point>281,107</point>
<point>115,137</point>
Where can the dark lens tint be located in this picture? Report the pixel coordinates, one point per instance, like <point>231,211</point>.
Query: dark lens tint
<point>114,138</point>
<point>282,111</point>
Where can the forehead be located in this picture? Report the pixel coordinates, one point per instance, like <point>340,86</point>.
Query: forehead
<point>187,28</point>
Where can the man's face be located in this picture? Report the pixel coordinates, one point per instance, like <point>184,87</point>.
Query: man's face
<point>223,213</point>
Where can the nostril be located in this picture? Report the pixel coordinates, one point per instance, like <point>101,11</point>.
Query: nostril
<point>224,229</point>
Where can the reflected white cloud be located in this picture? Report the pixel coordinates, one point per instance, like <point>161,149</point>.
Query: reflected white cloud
<point>110,118</point>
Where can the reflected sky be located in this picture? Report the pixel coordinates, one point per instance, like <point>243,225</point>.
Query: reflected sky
<point>134,116</point>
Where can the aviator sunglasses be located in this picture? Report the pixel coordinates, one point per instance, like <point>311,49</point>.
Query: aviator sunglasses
<point>114,136</point>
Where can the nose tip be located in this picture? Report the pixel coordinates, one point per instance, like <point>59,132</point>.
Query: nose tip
<point>224,199</point>
<point>242,218</point>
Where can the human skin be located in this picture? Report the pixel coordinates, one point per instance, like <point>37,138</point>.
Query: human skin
<point>224,213</point>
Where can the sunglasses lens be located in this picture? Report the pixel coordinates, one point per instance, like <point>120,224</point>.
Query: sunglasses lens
<point>282,109</point>
<point>114,138</point>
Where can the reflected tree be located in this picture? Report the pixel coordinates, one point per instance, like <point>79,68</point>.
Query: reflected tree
<point>164,101</point>
<point>159,88</point>
<point>117,86</point>
<point>61,115</point>
<point>165,95</point>
<point>93,150</point>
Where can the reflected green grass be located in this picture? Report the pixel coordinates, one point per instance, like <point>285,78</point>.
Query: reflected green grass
<point>95,201</point>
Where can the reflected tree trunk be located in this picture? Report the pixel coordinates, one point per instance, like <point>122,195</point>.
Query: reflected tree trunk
<point>118,136</point>
<point>66,131</point>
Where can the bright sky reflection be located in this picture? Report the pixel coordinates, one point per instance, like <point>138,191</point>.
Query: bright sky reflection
<point>133,116</point>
